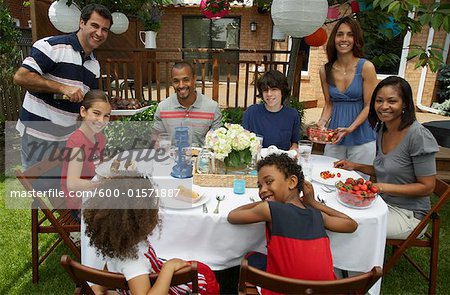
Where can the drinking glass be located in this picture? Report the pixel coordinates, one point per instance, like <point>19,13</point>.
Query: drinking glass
<point>165,143</point>
<point>304,149</point>
<point>304,157</point>
<point>257,156</point>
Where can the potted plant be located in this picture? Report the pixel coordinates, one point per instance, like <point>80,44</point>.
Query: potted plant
<point>150,15</point>
<point>263,6</point>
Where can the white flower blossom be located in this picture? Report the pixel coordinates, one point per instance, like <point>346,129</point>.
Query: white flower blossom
<point>231,137</point>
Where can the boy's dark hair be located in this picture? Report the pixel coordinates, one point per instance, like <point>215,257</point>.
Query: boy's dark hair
<point>273,79</point>
<point>284,164</point>
<point>118,223</point>
<point>104,12</point>
<point>405,92</point>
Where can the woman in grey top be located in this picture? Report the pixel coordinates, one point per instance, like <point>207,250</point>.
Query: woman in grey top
<point>405,165</point>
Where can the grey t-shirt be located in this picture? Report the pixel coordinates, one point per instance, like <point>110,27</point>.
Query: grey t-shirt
<point>200,117</point>
<point>413,157</point>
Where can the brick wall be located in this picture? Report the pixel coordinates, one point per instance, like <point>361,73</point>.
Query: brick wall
<point>170,36</point>
<point>19,11</point>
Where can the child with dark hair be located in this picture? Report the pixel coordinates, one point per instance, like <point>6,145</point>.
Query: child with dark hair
<point>119,228</point>
<point>297,244</point>
<point>85,148</point>
<point>278,124</point>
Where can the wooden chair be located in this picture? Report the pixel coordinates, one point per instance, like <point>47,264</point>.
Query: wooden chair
<point>54,220</point>
<point>250,277</point>
<point>430,240</point>
<point>81,274</point>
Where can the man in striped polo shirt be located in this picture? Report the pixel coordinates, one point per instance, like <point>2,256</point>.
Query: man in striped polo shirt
<point>187,107</point>
<point>56,75</point>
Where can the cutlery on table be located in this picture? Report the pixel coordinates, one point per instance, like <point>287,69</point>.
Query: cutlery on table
<point>326,189</point>
<point>219,199</point>
<point>321,200</point>
<point>205,209</point>
<point>252,199</point>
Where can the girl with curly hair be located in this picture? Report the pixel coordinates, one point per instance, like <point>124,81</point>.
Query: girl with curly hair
<point>297,244</point>
<point>118,227</point>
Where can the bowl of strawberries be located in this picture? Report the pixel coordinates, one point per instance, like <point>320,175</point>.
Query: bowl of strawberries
<point>356,193</point>
<point>322,135</point>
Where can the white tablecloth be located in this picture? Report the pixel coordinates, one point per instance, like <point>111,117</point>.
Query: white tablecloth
<point>193,235</point>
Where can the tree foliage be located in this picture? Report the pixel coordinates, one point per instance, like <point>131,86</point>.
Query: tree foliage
<point>9,54</point>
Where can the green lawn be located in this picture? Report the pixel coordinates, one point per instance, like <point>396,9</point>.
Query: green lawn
<point>15,264</point>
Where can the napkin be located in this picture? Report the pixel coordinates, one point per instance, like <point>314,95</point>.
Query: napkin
<point>274,150</point>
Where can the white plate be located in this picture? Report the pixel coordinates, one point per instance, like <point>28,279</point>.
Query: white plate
<point>144,166</point>
<point>331,181</point>
<point>174,203</point>
<point>128,112</point>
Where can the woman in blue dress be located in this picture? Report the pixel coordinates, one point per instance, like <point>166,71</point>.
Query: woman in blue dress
<point>348,81</point>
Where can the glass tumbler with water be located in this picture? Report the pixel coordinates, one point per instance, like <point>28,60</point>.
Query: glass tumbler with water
<point>304,155</point>
<point>165,143</point>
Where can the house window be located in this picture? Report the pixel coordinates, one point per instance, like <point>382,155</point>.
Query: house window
<point>201,32</point>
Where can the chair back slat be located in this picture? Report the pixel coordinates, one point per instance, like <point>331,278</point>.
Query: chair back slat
<point>430,239</point>
<point>53,220</point>
<point>82,274</point>
<point>355,285</point>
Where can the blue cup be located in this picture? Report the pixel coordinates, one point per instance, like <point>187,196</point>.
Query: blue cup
<point>239,186</point>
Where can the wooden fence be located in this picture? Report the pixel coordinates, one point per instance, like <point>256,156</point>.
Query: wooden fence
<point>145,75</point>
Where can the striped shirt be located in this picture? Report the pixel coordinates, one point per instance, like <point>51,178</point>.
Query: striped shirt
<point>60,59</point>
<point>204,114</point>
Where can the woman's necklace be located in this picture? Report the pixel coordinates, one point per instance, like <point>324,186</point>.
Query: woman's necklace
<point>344,69</point>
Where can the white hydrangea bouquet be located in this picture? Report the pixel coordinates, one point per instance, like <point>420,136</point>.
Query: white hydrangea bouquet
<point>232,144</point>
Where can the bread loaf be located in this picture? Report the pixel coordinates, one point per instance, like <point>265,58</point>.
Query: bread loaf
<point>187,195</point>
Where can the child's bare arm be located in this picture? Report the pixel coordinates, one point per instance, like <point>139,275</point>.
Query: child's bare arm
<point>333,219</point>
<point>250,213</point>
<point>74,170</point>
<point>141,284</point>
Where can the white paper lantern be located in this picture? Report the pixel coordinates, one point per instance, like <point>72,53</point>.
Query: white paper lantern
<point>299,18</point>
<point>120,23</point>
<point>65,18</point>
<point>277,35</point>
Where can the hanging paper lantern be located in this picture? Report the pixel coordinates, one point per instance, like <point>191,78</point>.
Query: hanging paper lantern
<point>355,6</point>
<point>277,35</point>
<point>299,18</point>
<point>318,38</point>
<point>333,12</point>
<point>65,18</point>
<point>120,23</point>
<point>210,14</point>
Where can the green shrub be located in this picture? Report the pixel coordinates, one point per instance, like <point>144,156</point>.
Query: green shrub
<point>443,93</point>
<point>443,78</point>
<point>298,105</point>
<point>130,132</point>
<point>232,115</point>
<point>9,54</point>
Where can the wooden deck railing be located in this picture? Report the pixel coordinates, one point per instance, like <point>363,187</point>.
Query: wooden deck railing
<point>146,74</point>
